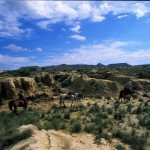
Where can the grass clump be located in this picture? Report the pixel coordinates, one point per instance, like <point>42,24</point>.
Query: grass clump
<point>76,126</point>
<point>95,108</point>
<point>67,115</point>
<point>137,142</point>
<point>13,137</point>
<point>120,147</point>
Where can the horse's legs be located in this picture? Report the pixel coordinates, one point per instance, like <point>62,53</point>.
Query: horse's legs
<point>25,107</point>
<point>130,97</point>
<point>15,110</point>
<point>72,103</point>
<point>60,102</point>
<point>64,104</point>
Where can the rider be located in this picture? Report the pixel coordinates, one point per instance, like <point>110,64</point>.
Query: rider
<point>22,97</point>
<point>128,86</point>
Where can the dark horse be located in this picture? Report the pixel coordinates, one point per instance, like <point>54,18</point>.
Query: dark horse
<point>123,93</point>
<point>13,104</point>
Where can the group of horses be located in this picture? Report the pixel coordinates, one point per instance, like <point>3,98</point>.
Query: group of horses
<point>70,96</point>
<point>13,104</point>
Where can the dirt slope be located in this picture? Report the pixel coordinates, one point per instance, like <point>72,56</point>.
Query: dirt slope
<point>56,140</point>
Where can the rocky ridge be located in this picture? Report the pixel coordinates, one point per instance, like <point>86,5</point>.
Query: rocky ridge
<point>48,84</point>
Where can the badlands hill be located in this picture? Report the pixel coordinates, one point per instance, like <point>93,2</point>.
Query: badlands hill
<point>92,82</point>
<point>98,121</point>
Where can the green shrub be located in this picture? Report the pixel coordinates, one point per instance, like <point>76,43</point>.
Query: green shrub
<point>48,125</point>
<point>103,108</point>
<point>13,137</point>
<point>103,135</point>
<point>67,115</point>
<point>120,147</point>
<point>110,111</point>
<point>145,121</point>
<point>129,108</point>
<point>76,126</point>
<point>95,108</point>
<point>139,109</point>
<point>63,126</point>
<point>137,142</point>
<point>119,115</point>
<point>88,128</point>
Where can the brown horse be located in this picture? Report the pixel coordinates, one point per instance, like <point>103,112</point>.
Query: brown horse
<point>123,93</point>
<point>13,104</point>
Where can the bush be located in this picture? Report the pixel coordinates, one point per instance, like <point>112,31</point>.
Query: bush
<point>120,147</point>
<point>13,137</point>
<point>76,126</point>
<point>119,114</point>
<point>67,115</point>
<point>129,108</point>
<point>139,109</point>
<point>110,111</point>
<point>95,108</point>
<point>137,142</point>
<point>88,128</point>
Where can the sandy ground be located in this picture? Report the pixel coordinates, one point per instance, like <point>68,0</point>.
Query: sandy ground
<point>56,140</point>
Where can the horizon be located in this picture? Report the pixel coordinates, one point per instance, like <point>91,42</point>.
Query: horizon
<point>46,33</point>
<point>78,64</point>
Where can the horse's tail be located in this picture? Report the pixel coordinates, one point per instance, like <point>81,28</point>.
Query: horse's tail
<point>10,104</point>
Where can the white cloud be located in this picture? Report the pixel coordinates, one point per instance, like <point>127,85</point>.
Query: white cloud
<point>45,13</point>
<point>121,16</point>
<point>12,30</point>
<point>96,15</point>
<point>140,10</point>
<point>63,29</point>
<point>14,48</point>
<point>97,18</point>
<point>84,10</point>
<point>105,53</point>
<point>78,37</point>
<point>44,25</point>
<point>76,28</point>
<point>39,49</point>
<point>9,60</point>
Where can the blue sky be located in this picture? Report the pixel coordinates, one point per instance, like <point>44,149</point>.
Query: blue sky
<point>44,33</point>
